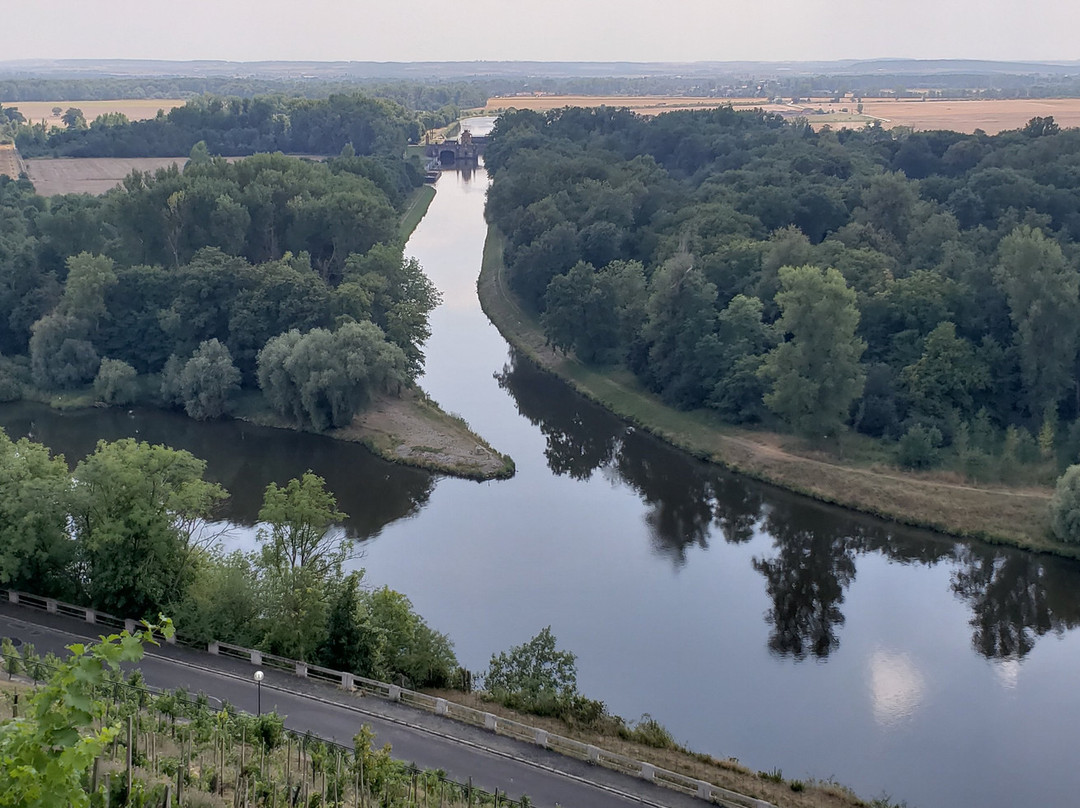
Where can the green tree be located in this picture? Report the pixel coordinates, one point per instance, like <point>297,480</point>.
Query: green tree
<point>61,356</point>
<point>73,118</point>
<point>533,670</point>
<point>115,382</point>
<point>89,278</point>
<point>48,751</point>
<point>139,514</point>
<point>947,375</point>
<point>35,549</point>
<point>209,381</point>
<point>300,562</point>
<point>1043,302</point>
<point>352,643</point>
<point>410,647</point>
<point>1065,506</point>
<point>814,372</point>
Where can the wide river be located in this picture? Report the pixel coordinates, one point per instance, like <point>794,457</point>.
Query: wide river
<point>752,623</point>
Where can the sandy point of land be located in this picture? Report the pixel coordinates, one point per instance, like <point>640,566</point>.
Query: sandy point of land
<point>413,430</point>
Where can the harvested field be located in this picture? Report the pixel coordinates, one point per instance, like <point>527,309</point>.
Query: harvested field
<point>992,116</point>
<point>89,175</point>
<point>9,160</point>
<point>644,104</point>
<point>137,109</point>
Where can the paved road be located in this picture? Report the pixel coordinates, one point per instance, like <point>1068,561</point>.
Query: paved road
<point>430,741</point>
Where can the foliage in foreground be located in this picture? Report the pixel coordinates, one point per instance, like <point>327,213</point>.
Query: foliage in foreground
<point>45,753</point>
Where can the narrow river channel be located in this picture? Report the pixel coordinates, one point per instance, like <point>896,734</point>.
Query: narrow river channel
<point>752,623</point>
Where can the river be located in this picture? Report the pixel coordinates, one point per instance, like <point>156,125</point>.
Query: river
<point>752,623</point>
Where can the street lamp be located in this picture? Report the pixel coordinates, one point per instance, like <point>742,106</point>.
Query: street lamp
<point>258,681</point>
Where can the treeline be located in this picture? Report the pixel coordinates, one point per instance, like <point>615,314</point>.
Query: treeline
<point>185,279</point>
<point>919,287</point>
<point>130,531</point>
<point>237,126</point>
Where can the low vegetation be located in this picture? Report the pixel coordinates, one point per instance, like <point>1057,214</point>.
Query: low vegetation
<point>87,736</point>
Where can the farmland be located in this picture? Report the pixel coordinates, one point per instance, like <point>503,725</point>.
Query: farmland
<point>136,109</point>
<point>992,116</point>
<point>89,175</point>
<point>9,160</point>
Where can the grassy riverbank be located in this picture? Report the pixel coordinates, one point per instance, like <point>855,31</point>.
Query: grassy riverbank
<point>415,210</point>
<point>940,501</point>
<point>727,773</point>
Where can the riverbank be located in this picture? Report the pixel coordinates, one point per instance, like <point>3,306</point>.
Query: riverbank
<point>728,773</point>
<point>1001,515</point>
<point>409,429</point>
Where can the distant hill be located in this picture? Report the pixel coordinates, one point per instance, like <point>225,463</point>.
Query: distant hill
<point>99,68</point>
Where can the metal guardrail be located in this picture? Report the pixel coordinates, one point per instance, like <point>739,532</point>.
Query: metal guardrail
<point>458,712</point>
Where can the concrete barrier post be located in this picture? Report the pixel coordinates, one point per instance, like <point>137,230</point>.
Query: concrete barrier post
<point>704,790</point>
<point>648,771</point>
<point>129,626</point>
<point>301,669</point>
<point>395,693</point>
<point>256,657</point>
<point>213,648</point>
<point>594,754</point>
<point>440,706</point>
<point>50,605</point>
<point>13,597</point>
<point>91,616</point>
<point>541,737</point>
<point>348,682</point>
<point>490,722</point>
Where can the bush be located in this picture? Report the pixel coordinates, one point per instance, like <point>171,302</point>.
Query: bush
<point>115,382</point>
<point>918,449</point>
<point>1065,506</point>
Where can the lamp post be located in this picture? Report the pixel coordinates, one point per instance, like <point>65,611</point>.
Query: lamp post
<point>258,681</point>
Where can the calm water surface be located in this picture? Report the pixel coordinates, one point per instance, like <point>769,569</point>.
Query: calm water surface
<point>752,623</point>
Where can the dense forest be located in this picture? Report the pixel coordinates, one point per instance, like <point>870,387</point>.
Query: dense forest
<point>233,127</point>
<point>916,287</point>
<point>188,286</point>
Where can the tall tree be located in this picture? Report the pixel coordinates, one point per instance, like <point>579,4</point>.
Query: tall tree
<point>35,549</point>
<point>814,372</point>
<point>140,516</point>
<point>1043,302</point>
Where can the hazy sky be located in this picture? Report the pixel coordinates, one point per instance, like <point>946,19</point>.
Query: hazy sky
<point>549,30</point>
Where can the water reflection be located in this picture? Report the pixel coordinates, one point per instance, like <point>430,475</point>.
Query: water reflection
<point>1014,597</point>
<point>897,686</point>
<point>241,457</point>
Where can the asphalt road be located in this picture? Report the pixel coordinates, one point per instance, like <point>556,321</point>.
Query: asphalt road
<point>429,741</point>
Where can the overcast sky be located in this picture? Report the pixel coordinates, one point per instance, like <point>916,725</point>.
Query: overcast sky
<point>546,30</point>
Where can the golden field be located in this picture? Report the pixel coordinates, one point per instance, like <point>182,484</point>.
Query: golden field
<point>137,109</point>
<point>991,116</point>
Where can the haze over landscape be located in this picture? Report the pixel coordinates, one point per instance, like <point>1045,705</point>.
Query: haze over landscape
<point>552,30</point>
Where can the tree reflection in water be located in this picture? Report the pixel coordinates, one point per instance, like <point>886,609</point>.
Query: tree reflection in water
<point>1015,597</point>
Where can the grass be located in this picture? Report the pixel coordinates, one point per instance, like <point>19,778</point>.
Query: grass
<point>419,202</point>
<point>724,772</point>
<point>939,501</point>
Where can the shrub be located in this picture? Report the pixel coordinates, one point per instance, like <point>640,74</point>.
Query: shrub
<point>918,448</point>
<point>1065,506</point>
<point>115,382</point>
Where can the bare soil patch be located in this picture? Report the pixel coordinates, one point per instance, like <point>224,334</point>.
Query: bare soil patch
<point>136,109</point>
<point>413,430</point>
<point>89,175</point>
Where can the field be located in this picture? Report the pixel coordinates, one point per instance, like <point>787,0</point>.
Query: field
<point>89,175</point>
<point>136,109</point>
<point>9,160</point>
<point>962,116</point>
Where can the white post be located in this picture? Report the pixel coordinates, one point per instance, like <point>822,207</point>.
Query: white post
<point>440,706</point>
<point>256,657</point>
<point>395,693</point>
<point>50,605</point>
<point>213,648</point>
<point>301,669</point>
<point>541,737</point>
